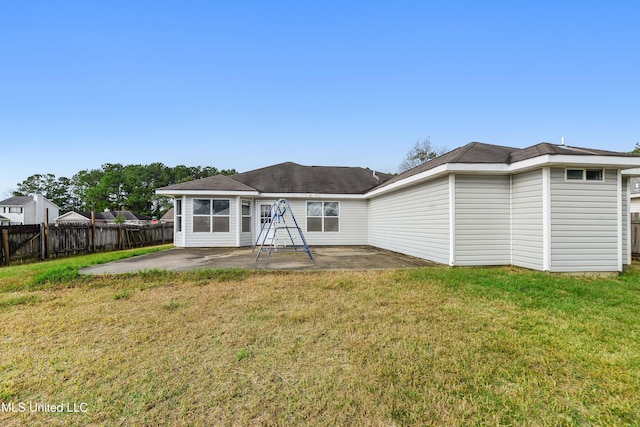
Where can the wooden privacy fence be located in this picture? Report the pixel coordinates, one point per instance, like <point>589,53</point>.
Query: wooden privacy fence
<point>19,243</point>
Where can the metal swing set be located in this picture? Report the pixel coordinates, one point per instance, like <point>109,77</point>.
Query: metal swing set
<point>279,235</point>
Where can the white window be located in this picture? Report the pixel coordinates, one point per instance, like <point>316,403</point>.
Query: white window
<point>246,216</point>
<point>15,210</point>
<point>584,175</point>
<point>210,216</point>
<point>178,213</point>
<point>323,216</point>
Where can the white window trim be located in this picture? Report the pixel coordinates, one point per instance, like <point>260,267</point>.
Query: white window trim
<point>243,203</point>
<point>178,214</point>
<point>322,217</point>
<point>584,175</point>
<point>210,215</point>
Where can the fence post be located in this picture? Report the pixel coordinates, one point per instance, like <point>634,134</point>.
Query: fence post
<point>93,230</point>
<point>5,245</point>
<point>46,233</point>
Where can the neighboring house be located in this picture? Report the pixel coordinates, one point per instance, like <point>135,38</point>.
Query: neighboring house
<point>25,210</point>
<point>546,207</point>
<point>169,217</point>
<point>4,220</point>
<point>103,217</point>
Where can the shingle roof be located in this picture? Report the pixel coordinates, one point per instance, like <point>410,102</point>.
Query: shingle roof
<point>111,215</point>
<point>474,152</point>
<point>478,152</point>
<point>294,178</point>
<point>545,148</point>
<point>17,201</point>
<point>217,182</point>
<point>291,178</point>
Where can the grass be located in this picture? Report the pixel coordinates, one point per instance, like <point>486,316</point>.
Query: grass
<point>36,275</point>
<point>435,346</point>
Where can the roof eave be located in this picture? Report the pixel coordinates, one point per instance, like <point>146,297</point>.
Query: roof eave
<point>206,193</point>
<point>619,162</point>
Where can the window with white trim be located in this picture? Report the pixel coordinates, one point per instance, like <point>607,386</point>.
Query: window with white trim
<point>584,174</point>
<point>210,216</point>
<point>323,217</point>
<point>246,216</point>
<point>178,215</point>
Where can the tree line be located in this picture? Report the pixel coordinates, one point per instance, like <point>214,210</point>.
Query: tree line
<point>115,187</point>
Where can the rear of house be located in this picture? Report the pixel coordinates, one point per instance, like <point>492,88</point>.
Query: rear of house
<point>546,207</point>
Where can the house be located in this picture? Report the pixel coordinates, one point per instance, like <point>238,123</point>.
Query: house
<point>25,210</point>
<point>106,217</point>
<point>546,207</point>
<point>168,217</point>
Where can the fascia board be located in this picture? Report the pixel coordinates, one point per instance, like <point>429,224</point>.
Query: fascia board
<point>205,193</point>
<point>576,160</point>
<point>310,196</point>
<point>414,179</point>
<point>631,172</point>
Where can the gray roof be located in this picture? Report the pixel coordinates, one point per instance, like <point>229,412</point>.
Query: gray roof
<point>217,182</point>
<point>545,148</point>
<point>292,178</point>
<point>111,215</point>
<point>17,201</point>
<point>478,152</point>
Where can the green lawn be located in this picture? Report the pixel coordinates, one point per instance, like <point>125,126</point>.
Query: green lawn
<point>433,346</point>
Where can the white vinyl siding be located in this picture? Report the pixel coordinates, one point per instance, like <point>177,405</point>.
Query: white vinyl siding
<point>246,237</point>
<point>625,221</point>
<point>352,227</point>
<point>413,221</point>
<point>482,229</point>
<point>584,223</point>
<point>203,240</point>
<point>526,220</point>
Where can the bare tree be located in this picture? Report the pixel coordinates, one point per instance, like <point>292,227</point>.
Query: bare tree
<point>422,152</point>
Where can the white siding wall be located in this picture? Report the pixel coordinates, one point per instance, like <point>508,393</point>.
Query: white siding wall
<point>526,221</point>
<point>201,240</point>
<point>584,227</point>
<point>482,224</point>
<point>413,221</point>
<point>625,221</point>
<point>352,224</point>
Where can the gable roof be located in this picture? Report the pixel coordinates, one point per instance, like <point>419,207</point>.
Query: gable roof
<point>17,201</point>
<point>290,177</point>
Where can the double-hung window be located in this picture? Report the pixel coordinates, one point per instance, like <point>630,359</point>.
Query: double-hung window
<point>246,216</point>
<point>323,216</point>
<point>178,213</point>
<point>210,216</point>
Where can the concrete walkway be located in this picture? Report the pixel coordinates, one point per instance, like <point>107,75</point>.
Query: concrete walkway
<point>326,258</point>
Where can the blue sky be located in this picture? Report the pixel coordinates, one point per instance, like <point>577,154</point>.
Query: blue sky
<point>247,84</point>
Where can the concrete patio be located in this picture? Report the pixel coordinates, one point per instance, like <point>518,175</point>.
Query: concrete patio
<point>325,257</point>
